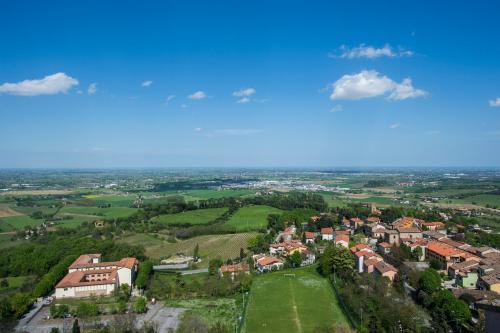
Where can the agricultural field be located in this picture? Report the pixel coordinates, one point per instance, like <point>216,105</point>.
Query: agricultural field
<point>210,246</point>
<point>6,211</point>
<point>199,216</point>
<point>110,212</point>
<point>485,200</point>
<point>18,222</point>
<point>252,217</point>
<point>310,303</point>
<point>192,195</point>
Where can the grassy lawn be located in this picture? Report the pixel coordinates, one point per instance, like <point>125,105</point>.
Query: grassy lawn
<point>199,216</point>
<point>19,222</point>
<point>210,246</point>
<point>212,310</point>
<point>111,212</point>
<point>333,201</point>
<point>252,217</point>
<point>191,195</point>
<point>376,200</point>
<point>292,304</point>
<point>492,200</point>
<point>113,200</point>
<point>14,284</point>
<point>6,241</point>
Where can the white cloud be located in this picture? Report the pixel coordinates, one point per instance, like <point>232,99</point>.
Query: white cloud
<point>393,126</point>
<point>49,85</point>
<point>243,100</point>
<point>198,95</point>
<point>92,89</point>
<point>406,90</point>
<point>238,131</point>
<point>168,99</point>
<point>370,52</point>
<point>245,92</point>
<point>495,102</point>
<point>336,108</point>
<point>147,83</point>
<point>198,129</point>
<point>369,83</point>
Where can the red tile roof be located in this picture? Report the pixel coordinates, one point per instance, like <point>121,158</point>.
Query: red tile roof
<point>327,231</point>
<point>83,278</point>
<point>310,235</point>
<point>384,245</point>
<point>341,237</point>
<point>268,260</point>
<point>241,267</point>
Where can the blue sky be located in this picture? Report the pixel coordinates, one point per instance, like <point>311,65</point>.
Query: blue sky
<point>261,83</point>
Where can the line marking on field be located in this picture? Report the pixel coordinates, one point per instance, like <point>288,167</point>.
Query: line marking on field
<point>294,306</point>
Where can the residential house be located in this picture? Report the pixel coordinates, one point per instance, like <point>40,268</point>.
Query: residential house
<point>268,263</point>
<point>432,225</point>
<point>342,240</point>
<point>309,237</point>
<point>391,236</point>
<point>356,222</point>
<point>327,234</point>
<point>384,247</point>
<point>385,270</point>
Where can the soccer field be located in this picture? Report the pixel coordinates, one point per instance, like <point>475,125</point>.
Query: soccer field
<point>283,302</point>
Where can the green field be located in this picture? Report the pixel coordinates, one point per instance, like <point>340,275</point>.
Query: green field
<point>111,212</point>
<point>252,217</point>
<point>492,200</point>
<point>376,200</point>
<point>199,216</point>
<point>212,310</point>
<point>18,222</point>
<point>14,284</point>
<point>210,246</point>
<point>302,303</point>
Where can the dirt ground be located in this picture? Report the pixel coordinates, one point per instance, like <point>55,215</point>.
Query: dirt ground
<point>167,319</point>
<point>6,211</point>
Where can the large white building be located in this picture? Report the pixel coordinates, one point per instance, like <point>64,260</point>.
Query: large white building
<point>87,276</point>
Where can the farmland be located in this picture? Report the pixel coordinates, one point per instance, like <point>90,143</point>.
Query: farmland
<point>310,303</point>
<point>211,246</point>
<point>110,212</point>
<point>252,217</point>
<point>199,216</point>
<point>18,222</point>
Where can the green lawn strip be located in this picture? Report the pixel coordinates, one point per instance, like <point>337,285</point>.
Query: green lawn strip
<point>199,216</point>
<point>252,217</point>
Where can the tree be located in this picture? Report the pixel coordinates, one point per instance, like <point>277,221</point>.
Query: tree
<point>5,308</point>
<point>336,259</point>
<point>296,259</point>
<point>4,283</point>
<point>20,303</point>
<point>55,330</point>
<point>145,270</point>
<point>140,305</point>
<point>242,253</point>
<point>213,266</point>
<point>430,281</point>
<point>87,309</point>
<point>195,252</point>
<point>76,327</point>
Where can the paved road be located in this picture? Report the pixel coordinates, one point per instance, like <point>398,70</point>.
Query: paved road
<point>24,321</point>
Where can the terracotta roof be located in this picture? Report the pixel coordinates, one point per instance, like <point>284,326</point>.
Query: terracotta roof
<point>241,267</point>
<point>81,278</point>
<point>341,237</point>
<point>384,267</point>
<point>433,224</point>
<point>309,234</point>
<point>384,244</point>
<point>359,247</point>
<point>408,229</point>
<point>443,249</point>
<point>268,261</point>
<point>491,279</point>
<point>373,219</point>
<point>342,232</point>
<point>370,262</point>
<point>356,220</point>
<point>85,261</point>
<point>363,253</point>
<point>327,231</point>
